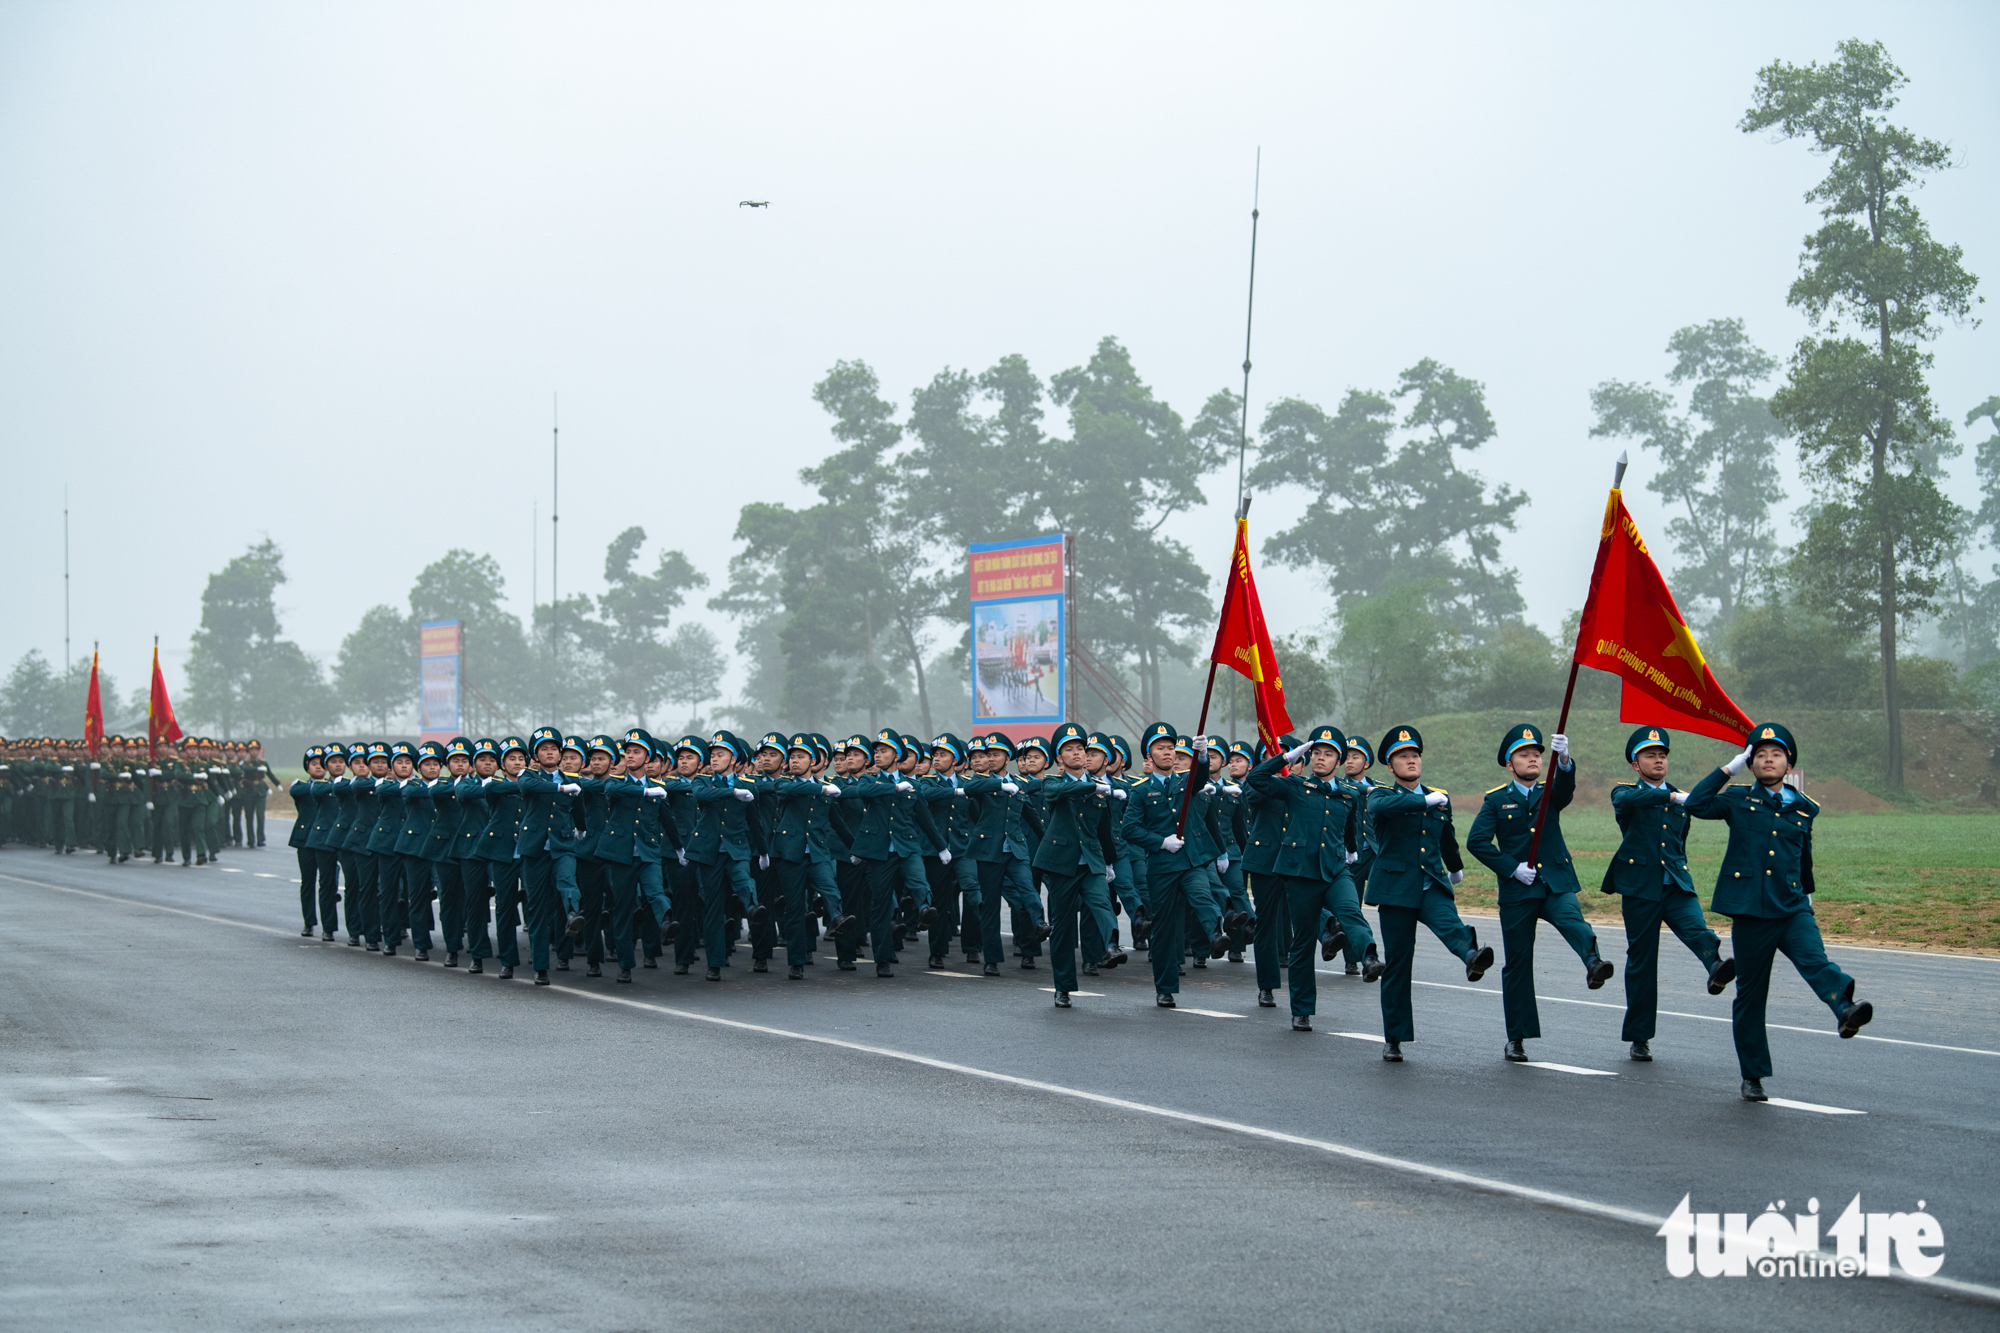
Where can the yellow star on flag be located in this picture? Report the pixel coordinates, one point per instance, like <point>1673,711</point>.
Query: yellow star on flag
<point>1683,645</point>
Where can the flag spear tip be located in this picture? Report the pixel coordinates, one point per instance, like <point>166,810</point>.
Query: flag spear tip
<point>1618,471</point>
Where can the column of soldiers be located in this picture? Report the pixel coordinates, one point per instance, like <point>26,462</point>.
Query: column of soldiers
<point>628,849</point>
<point>197,797</point>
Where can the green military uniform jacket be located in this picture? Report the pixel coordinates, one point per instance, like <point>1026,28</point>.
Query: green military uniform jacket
<point>1504,826</point>
<point>1077,833</point>
<point>1322,823</point>
<point>1767,870</point>
<point>1419,847</point>
<point>1653,853</point>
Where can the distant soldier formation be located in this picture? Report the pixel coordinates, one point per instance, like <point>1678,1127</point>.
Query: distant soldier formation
<point>198,797</point>
<point>629,849</point>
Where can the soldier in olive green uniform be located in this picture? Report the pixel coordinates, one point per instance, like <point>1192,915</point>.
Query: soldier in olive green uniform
<point>1765,889</point>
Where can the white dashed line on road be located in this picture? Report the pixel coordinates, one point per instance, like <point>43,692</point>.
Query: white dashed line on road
<point>1811,1106</point>
<point>1566,1069</point>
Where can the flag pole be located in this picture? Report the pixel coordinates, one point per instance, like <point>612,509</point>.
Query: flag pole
<point>1562,722</point>
<point>1208,691</point>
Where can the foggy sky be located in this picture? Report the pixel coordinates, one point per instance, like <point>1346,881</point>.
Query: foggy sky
<point>316,271</point>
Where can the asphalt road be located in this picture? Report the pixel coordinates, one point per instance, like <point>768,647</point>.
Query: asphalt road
<point>212,1122</point>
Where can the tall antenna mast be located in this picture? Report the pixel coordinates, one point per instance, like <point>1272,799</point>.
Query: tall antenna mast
<point>1243,425</point>
<point>555,536</point>
<point>65,580</point>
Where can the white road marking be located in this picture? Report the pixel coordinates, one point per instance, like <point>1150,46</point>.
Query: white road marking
<point>1359,1036</point>
<point>266,875</point>
<point>231,870</point>
<point>1812,1106</point>
<point>941,972</point>
<point>1566,1069</point>
<point>1093,994</point>
<point>58,1123</point>
<point>1714,1018</point>
<point>1489,1184</point>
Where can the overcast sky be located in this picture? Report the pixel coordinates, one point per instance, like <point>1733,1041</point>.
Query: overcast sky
<point>316,271</point>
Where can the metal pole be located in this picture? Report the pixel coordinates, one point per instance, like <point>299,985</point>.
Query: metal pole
<point>555,536</point>
<point>1243,426</point>
<point>66,666</point>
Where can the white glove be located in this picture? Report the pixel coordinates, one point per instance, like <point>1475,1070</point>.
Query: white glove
<point>902,785</point>
<point>1352,857</point>
<point>91,798</point>
<point>763,863</point>
<point>220,801</point>
<point>1118,795</point>
<point>1110,874</point>
<point>1679,798</point>
<point>1221,865</point>
<point>69,768</point>
<point>1436,798</point>
<point>1200,748</point>
<point>1735,765</point>
<point>152,772</point>
<point>681,855</point>
<point>1010,788</point>
<point>1560,744</point>
<point>1525,873</point>
<point>1457,875</point>
<point>93,765</point>
<point>486,782</point>
<point>854,860</point>
<point>652,793</point>
<point>743,794</point>
<point>1297,752</point>
<point>944,857</point>
<point>829,789</point>
<point>1173,842</point>
<point>1232,789</point>
<point>1103,788</point>
<point>149,805</point>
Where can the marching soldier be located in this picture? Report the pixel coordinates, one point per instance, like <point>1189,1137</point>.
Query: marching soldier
<point>1176,862</point>
<point>1077,856</point>
<point>1264,819</point>
<point>306,807</point>
<point>1765,888</point>
<point>1649,872</point>
<point>1415,869</point>
<point>1500,836</point>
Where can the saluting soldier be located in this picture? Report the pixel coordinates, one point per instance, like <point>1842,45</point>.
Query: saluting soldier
<point>306,806</point>
<point>258,779</point>
<point>1264,819</point>
<point>1765,888</point>
<point>1649,872</point>
<point>1415,869</point>
<point>1500,836</point>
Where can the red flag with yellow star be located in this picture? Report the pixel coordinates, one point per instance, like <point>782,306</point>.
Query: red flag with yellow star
<point>1633,628</point>
<point>1243,644</point>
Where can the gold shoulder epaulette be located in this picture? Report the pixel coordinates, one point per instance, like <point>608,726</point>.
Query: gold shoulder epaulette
<point>1491,790</point>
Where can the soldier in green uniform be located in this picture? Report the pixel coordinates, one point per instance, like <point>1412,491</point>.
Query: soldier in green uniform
<point>1649,872</point>
<point>1415,868</point>
<point>1074,854</point>
<point>1176,860</point>
<point>1500,838</point>
<point>1264,818</point>
<point>1765,888</point>
<point>257,781</point>
<point>1321,841</point>
<point>1355,763</point>
<point>307,807</point>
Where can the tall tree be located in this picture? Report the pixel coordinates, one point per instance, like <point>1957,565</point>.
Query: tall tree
<point>1718,460</point>
<point>31,700</point>
<point>692,670</point>
<point>375,675</point>
<point>1860,406</point>
<point>636,608</point>
<point>1386,512</point>
<point>238,638</point>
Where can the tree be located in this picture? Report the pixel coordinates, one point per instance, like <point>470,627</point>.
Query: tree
<point>31,701</point>
<point>1384,512</point>
<point>1718,461</point>
<point>497,661</point>
<point>692,667</point>
<point>1860,407</point>
<point>636,608</point>
<point>287,693</point>
<point>1394,656</point>
<point>239,617</point>
<point>375,676</point>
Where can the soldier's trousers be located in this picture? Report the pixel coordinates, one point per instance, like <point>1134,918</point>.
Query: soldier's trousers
<point>1757,941</point>
<point>1305,899</point>
<point>888,881</point>
<point>1167,893</point>
<point>62,823</point>
<point>357,901</point>
<point>1017,887</point>
<point>1517,932</point>
<point>166,829</point>
<point>542,902</point>
<point>475,886</point>
<point>718,881</point>
<point>235,824</point>
<point>966,871</point>
<point>1071,897</point>
<point>593,894</point>
<point>797,882</point>
<point>123,840</point>
<point>450,873</point>
<point>1680,910</point>
<point>1437,910</point>
<point>998,884</point>
<point>309,888</point>
<point>634,885</point>
<point>1271,940</point>
<point>419,887</point>
<point>506,878</point>
<point>859,903</point>
<point>253,822</point>
<point>944,897</point>
<point>367,897</point>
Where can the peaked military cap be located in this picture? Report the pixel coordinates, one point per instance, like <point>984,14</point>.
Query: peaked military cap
<point>1102,744</point>
<point>1067,732</point>
<point>890,738</point>
<point>1040,743</point>
<point>1361,743</point>
<point>403,750</point>
<point>821,744</point>
<point>1327,736</point>
<point>951,745</point>
<point>357,751</point>
<point>431,750</point>
<point>576,744</point>
<point>727,740</point>
<point>1155,732</point>
<point>857,743</point>
<point>602,743</point>
<point>1184,745</point>
<point>637,736</point>
<point>486,745</point>
<point>314,752</point>
<point>1400,738</point>
<point>1525,733</point>
<point>803,742</point>
<point>545,736</point>
<point>1000,740</point>
<point>1647,738</point>
<point>1123,747</point>
<point>1775,733</point>
<point>378,747</point>
<point>694,745</point>
<point>774,740</point>
<point>911,745</point>
<point>511,743</point>
<point>459,745</point>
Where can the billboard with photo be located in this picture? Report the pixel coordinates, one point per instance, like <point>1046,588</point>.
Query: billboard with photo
<point>440,659</point>
<point>1019,649</point>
